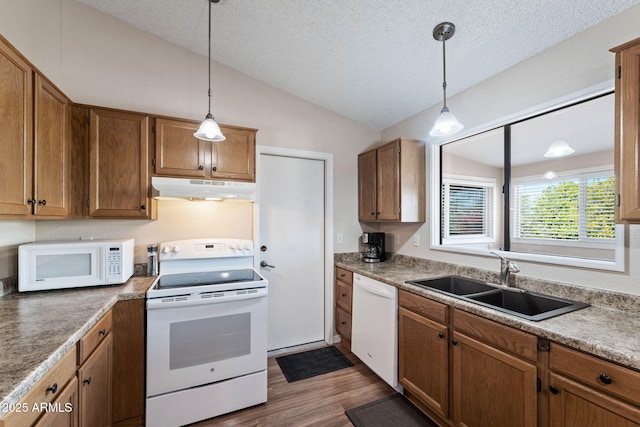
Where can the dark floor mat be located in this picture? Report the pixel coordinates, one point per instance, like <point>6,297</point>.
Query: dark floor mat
<point>310,363</point>
<point>390,411</point>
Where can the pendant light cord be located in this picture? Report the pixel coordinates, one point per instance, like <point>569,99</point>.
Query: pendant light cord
<point>209,93</point>
<point>444,72</point>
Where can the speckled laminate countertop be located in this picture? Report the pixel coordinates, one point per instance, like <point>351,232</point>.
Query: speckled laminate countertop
<point>608,328</point>
<point>37,329</point>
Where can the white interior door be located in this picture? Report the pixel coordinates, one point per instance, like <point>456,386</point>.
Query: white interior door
<point>292,240</point>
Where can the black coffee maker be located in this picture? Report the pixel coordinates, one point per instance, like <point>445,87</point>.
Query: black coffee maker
<point>373,247</point>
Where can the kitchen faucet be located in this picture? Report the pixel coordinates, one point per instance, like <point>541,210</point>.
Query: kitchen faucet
<point>506,268</point>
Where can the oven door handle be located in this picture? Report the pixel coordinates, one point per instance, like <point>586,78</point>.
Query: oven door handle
<point>173,302</point>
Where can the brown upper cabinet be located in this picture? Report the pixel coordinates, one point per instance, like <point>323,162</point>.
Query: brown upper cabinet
<point>119,164</point>
<point>34,141</point>
<point>627,132</point>
<point>180,154</point>
<point>391,182</point>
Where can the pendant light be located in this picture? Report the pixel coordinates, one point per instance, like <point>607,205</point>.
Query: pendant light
<point>446,124</point>
<point>559,148</point>
<point>209,129</point>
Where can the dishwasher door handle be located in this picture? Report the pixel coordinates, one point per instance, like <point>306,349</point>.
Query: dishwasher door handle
<point>377,290</point>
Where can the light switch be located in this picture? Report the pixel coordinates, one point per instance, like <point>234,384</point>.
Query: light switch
<point>339,238</point>
<point>416,240</point>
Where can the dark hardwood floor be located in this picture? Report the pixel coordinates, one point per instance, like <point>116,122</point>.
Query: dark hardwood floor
<point>317,401</point>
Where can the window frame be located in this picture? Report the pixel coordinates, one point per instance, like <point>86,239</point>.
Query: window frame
<point>618,264</point>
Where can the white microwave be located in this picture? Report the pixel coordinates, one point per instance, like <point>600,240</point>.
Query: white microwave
<point>74,264</point>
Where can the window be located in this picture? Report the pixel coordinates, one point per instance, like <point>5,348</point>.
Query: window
<point>467,207</point>
<point>572,208</point>
<point>507,189</point>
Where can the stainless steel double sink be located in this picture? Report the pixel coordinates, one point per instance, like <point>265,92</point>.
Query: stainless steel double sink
<point>528,305</point>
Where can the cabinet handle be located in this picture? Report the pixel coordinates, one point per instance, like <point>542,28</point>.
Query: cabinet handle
<point>344,295</point>
<point>605,378</point>
<point>143,207</point>
<point>31,201</point>
<point>103,332</point>
<point>42,202</point>
<point>215,168</point>
<point>554,389</point>
<point>87,381</point>
<point>53,388</point>
<point>200,167</point>
<point>454,342</point>
<point>441,335</point>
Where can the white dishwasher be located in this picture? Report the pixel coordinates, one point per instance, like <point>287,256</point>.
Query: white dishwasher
<point>374,334</point>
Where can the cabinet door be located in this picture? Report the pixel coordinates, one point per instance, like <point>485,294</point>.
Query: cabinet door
<point>627,142</point>
<point>178,152</point>
<point>16,127</point>
<point>94,378</point>
<point>64,413</point>
<point>51,150</point>
<point>118,164</point>
<point>388,184</point>
<point>572,404</point>
<point>235,157</point>
<point>424,360</point>
<point>367,197</point>
<point>491,387</point>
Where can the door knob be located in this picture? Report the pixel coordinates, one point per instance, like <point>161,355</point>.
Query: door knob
<point>263,248</point>
<point>266,264</point>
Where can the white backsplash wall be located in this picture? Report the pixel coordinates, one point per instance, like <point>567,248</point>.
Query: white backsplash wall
<point>12,233</point>
<point>177,219</point>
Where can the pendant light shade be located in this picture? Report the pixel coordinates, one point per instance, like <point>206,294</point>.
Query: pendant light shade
<point>209,129</point>
<point>559,148</point>
<point>446,124</point>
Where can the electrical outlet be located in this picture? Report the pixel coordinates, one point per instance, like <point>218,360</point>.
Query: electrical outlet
<point>340,238</point>
<point>397,239</point>
<point>416,240</point>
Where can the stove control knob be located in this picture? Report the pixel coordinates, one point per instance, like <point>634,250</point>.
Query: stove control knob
<point>247,246</point>
<point>176,249</point>
<point>166,249</point>
<point>233,246</point>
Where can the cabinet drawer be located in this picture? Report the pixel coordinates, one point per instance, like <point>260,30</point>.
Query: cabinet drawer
<point>423,306</point>
<point>94,337</point>
<point>344,294</point>
<point>343,324</point>
<point>46,390</point>
<point>504,337</point>
<point>595,372</point>
<point>344,275</point>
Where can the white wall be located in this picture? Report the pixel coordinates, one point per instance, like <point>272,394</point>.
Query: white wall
<point>580,62</point>
<point>98,60</point>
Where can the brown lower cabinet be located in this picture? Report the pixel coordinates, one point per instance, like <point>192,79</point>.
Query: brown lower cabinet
<point>94,379</point>
<point>586,390</point>
<point>343,304</point>
<point>466,370</point>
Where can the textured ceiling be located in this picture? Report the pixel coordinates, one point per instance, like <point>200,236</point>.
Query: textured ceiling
<point>374,61</point>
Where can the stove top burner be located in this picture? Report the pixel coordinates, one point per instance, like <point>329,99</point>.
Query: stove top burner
<point>181,280</point>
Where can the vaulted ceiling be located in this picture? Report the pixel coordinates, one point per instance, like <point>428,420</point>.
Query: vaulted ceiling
<point>374,61</point>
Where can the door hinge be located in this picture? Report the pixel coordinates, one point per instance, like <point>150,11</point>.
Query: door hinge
<point>153,129</point>
<point>618,200</point>
<point>87,202</point>
<point>88,120</point>
<point>153,161</point>
<point>619,71</point>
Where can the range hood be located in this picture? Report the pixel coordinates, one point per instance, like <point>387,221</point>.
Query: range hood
<point>202,189</point>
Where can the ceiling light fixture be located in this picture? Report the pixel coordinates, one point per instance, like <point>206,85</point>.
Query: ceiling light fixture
<point>209,129</point>
<point>446,124</point>
<point>559,148</point>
